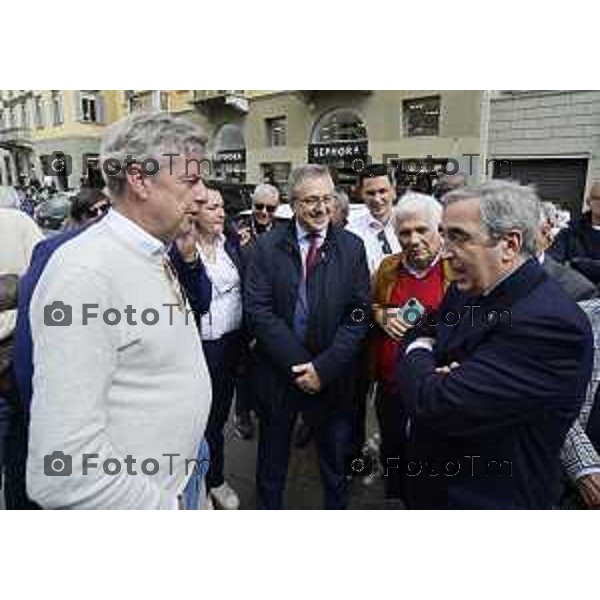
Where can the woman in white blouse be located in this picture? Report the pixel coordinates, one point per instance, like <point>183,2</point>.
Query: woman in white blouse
<point>220,330</point>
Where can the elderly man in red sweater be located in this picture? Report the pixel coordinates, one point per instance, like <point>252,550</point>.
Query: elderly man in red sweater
<point>406,286</point>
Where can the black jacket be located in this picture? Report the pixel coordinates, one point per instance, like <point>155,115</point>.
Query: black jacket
<point>579,245</point>
<point>339,284</point>
<point>519,387</point>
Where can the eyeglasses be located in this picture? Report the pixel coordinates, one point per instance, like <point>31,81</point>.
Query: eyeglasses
<point>259,206</point>
<point>312,201</point>
<point>460,239</point>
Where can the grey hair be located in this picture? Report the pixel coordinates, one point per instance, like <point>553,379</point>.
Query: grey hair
<point>301,174</point>
<point>265,189</point>
<point>505,206</point>
<point>342,199</point>
<point>147,135</point>
<point>413,204</point>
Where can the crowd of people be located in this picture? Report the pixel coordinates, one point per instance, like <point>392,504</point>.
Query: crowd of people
<point>126,339</point>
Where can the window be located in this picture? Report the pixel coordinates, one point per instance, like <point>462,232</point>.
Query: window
<point>421,116</point>
<point>340,125</point>
<point>277,131</point>
<point>37,111</point>
<point>164,100</point>
<point>25,116</point>
<point>277,174</point>
<point>57,108</point>
<point>88,108</point>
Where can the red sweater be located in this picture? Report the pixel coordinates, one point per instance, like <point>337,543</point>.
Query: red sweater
<point>429,291</point>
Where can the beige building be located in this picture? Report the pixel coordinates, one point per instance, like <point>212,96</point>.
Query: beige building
<point>262,135</point>
<point>37,126</point>
<point>255,135</point>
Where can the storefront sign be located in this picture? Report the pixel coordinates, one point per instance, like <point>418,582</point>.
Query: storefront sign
<point>337,151</point>
<point>231,156</point>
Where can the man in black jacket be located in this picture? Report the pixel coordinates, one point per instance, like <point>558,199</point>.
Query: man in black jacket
<point>303,285</point>
<point>579,244</point>
<point>492,395</point>
<point>572,281</point>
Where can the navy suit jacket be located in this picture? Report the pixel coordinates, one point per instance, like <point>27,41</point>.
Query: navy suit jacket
<point>493,428</point>
<point>339,283</point>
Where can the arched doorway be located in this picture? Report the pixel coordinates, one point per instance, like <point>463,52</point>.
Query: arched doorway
<point>339,139</point>
<point>229,163</point>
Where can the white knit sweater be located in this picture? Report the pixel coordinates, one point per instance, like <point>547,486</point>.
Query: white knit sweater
<point>114,390</point>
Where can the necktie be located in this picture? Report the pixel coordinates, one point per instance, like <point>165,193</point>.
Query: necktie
<point>385,245</point>
<point>312,254</point>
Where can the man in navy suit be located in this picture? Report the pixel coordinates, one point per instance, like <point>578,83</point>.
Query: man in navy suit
<point>302,286</point>
<point>494,381</point>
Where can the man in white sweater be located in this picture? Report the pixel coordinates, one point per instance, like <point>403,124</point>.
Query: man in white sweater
<point>121,391</point>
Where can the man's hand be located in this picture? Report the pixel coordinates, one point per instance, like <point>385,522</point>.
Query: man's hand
<point>391,323</point>
<point>589,486</point>
<point>445,370</point>
<point>307,378</point>
<point>186,240</point>
<point>245,235</point>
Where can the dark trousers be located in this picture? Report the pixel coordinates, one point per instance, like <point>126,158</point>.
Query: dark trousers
<point>334,437</point>
<point>361,391</point>
<point>13,457</point>
<point>392,424</point>
<point>245,395</point>
<point>221,357</point>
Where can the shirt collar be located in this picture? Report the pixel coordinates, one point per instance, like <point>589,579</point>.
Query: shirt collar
<point>302,234</point>
<point>132,232</point>
<point>376,224</point>
<point>422,274</point>
<point>502,280</point>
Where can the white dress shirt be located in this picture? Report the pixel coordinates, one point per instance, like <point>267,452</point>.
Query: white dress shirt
<point>368,228</point>
<point>225,314</point>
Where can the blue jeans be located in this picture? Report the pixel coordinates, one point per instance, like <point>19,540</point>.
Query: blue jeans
<point>196,486</point>
<point>4,425</point>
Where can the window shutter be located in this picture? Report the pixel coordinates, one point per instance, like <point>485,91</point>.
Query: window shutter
<point>78,107</point>
<point>100,108</point>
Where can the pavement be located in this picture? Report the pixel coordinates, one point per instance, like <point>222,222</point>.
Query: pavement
<point>303,490</point>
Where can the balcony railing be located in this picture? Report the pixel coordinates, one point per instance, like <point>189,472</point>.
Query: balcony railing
<point>234,98</point>
<point>15,136</point>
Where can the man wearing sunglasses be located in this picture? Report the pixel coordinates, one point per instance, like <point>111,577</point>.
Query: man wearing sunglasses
<point>265,201</point>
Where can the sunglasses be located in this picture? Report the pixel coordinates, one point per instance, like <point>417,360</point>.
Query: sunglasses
<point>269,207</point>
<point>96,211</point>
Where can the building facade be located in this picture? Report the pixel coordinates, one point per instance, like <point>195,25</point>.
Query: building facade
<point>550,139</point>
<point>262,135</point>
<point>255,135</point>
<point>38,126</point>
